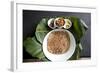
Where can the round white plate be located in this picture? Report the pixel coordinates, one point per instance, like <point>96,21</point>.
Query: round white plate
<point>59,57</point>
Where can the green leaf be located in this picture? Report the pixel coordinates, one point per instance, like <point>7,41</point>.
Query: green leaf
<point>78,28</point>
<point>32,45</point>
<point>43,26</point>
<point>77,53</point>
<point>83,24</point>
<point>34,48</point>
<point>42,29</point>
<point>40,36</point>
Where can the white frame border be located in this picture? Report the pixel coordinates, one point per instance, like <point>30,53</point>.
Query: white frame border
<point>16,60</point>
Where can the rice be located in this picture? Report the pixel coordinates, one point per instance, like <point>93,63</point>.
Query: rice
<point>58,42</point>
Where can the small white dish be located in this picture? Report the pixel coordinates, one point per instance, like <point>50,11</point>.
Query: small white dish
<point>59,57</point>
<point>66,25</point>
<point>51,23</point>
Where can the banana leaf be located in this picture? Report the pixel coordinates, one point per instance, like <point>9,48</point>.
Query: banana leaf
<point>78,28</point>
<point>42,29</point>
<point>77,52</point>
<point>34,48</point>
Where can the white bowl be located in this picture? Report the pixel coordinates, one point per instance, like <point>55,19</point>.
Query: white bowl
<point>59,57</point>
